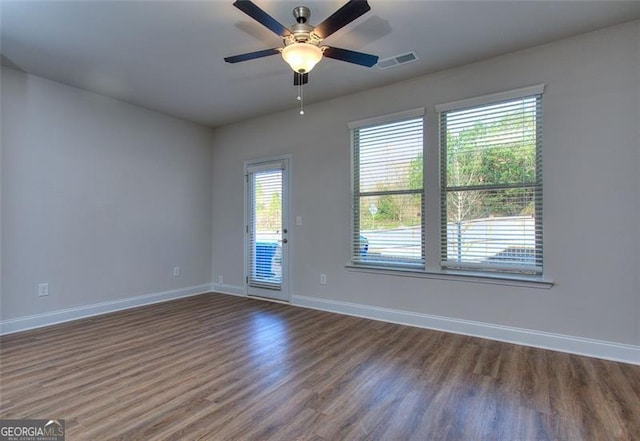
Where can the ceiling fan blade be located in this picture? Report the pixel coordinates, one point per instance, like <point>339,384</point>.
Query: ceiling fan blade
<point>342,17</point>
<point>351,56</point>
<point>299,78</point>
<point>252,55</point>
<point>253,11</point>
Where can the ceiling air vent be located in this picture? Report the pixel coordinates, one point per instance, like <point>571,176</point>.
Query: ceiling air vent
<point>397,60</point>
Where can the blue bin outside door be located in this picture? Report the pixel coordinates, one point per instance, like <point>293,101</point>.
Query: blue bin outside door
<point>264,258</point>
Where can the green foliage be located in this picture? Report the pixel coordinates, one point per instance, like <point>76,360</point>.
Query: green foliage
<point>392,211</point>
<point>268,215</point>
<point>416,168</point>
<point>485,154</point>
<point>387,208</point>
<point>497,153</point>
<point>273,212</point>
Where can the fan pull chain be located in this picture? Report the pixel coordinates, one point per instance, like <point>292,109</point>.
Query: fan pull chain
<point>301,96</point>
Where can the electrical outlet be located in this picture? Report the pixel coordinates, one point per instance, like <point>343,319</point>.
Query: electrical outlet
<point>220,280</point>
<point>176,271</point>
<point>43,289</point>
<point>323,279</point>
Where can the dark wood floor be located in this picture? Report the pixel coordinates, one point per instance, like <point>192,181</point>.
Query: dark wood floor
<point>217,367</point>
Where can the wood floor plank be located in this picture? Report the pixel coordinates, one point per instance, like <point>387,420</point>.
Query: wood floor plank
<point>215,367</point>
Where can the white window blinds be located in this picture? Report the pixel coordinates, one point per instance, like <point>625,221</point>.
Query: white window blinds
<point>491,172</point>
<point>388,204</point>
<point>265,225</point>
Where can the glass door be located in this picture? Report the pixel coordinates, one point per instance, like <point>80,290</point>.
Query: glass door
<point>267,239</point>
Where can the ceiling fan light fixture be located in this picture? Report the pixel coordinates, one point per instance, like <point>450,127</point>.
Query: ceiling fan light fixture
<point>302,56</point>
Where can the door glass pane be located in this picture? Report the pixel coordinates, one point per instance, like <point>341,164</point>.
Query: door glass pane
<point>266,229</point>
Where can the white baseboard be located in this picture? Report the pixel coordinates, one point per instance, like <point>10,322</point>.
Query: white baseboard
<point>233,290</point>
<point>527,337</point>
<point>546,340</point>
<point>65,315</point>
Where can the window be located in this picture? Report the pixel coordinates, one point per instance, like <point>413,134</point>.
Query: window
<point>487,210</point>
<point>388,196</point>
<point>491,189</point>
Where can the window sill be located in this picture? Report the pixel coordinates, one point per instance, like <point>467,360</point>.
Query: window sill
<point>459,276</point>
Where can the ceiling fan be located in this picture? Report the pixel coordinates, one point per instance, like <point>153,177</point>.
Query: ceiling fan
<point>303,47</point>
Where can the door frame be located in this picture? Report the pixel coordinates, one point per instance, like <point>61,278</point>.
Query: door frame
<point>287,250</point>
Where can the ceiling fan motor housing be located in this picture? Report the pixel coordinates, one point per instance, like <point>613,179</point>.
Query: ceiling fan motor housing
<point>302,31</point>
<point>302,14</point>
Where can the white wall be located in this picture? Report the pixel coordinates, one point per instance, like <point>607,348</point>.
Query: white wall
<point>100,199</point>
<point>591,201</point>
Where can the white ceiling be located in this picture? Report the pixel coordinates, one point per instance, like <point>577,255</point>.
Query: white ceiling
<point>168,55</point>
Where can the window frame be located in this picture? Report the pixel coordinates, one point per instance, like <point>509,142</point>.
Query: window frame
<point>536,270</point>
<point>432,200</point>
<point>356,194</point>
